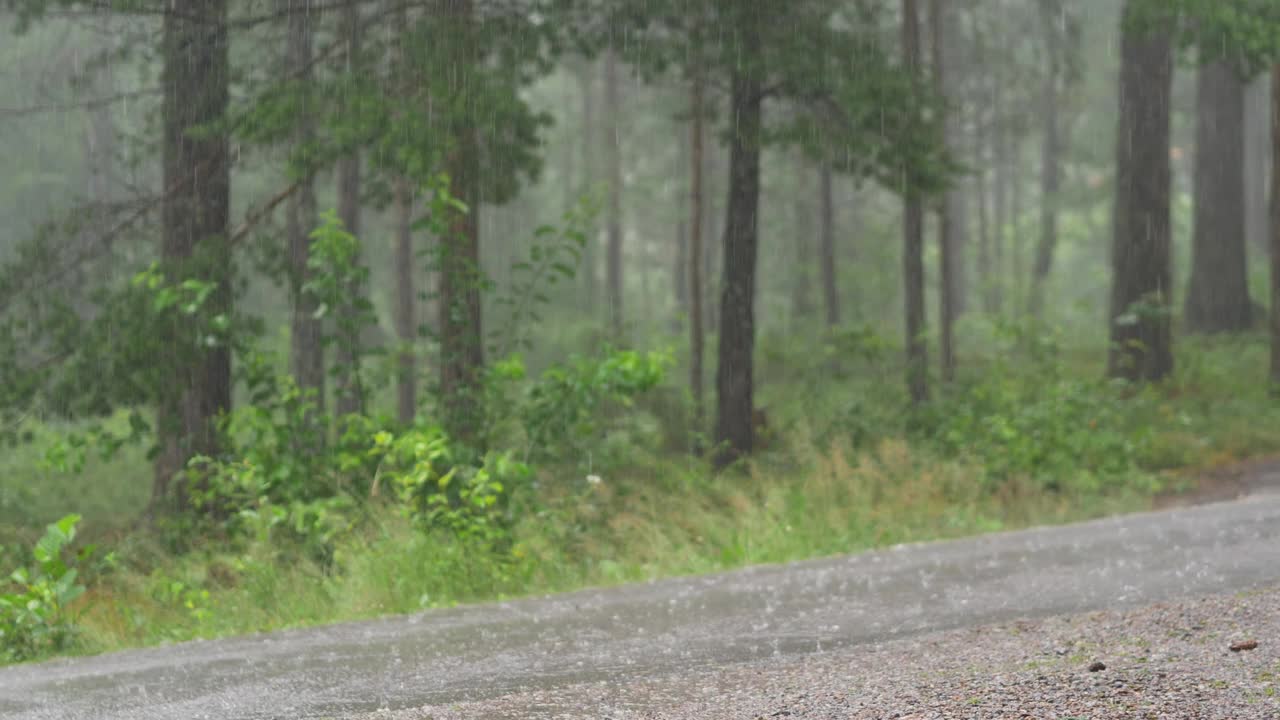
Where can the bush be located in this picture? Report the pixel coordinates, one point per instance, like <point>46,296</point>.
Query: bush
<point>35,618</point>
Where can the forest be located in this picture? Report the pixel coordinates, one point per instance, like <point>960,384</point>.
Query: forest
<point>316,310</point>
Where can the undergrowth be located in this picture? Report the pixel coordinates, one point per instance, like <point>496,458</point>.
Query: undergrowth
<point>395,520</point>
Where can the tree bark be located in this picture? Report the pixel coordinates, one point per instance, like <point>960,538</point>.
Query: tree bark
<point>348,387</point>
<point>1275,228</point>
<point>613,155</point>
<point>735,372</point>
<point>1000,200</point>
<point>1141,341</point>
<point>306,331</point>
<point>802,280</point>
<point>680,256</point>
<point>461,336</point>
<point>1257,161</point>
<point>405,299</point>
<point>986,282</point>
<point>1218,292</point>
<point>697,213</point>
<point>827,256</point>
<point>1050,157</point>
<point>917,359</point>
<point>195,215</point>
<point>590,260</point>
<point>949,229</point>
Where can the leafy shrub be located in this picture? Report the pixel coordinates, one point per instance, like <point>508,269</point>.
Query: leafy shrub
<point>35,618</point>
<point>437,492</point>
<point>561,412</point>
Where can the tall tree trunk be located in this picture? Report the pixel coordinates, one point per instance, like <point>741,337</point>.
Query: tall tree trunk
<point>1050,156</point>
<point>802,280</point>
<point>1000,210</point>
<point>1218,293</point>
<point>613,154</point>
<point>917,361</point>
<point>697,213</point>
<point>1257,161</point>
<point>306,331</point>
<point>986,281</point>
<point>461,336</point>
<point>712,234</point>
<point>949,228</point>
<point>680,258</point>
<point>1141,341</point>
<point>1275,228</point>
<point>590,257</point>
<point>1017,195</point>
<point>405,299</point>
<point>349,389</point>
<point>827,236</point>
<point>735,372</point>
<point>195,215</point>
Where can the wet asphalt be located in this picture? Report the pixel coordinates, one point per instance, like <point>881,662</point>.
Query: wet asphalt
<point>634,631</point>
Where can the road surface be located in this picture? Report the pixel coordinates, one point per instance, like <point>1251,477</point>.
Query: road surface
<point>644,630</point>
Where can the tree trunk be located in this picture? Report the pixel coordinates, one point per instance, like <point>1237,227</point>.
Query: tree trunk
<point>827,256</point>
<point>405,298</point>
<point>949,228</point>
<point>917,359</point>
<point>986,281</point>
<point>680,258</point>
<point>802,282</point>
<point>461,338</point>
<point>1257,161</point>
<point>697,213</point>
<point>1000,191</point>
<point>195,215</point>
<point>1275,228</point>
<point>613,154</point>
<point>348,387</point>
<point>306,331</point>
<point>1050,157</point>
<point>735,373</point>
<point>1141,342</point>
<point>1218,293</point>
<point>590,259</point>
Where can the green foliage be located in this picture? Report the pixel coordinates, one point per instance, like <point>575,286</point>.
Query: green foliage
<point>438,493</point>
<point>35,614</point>
<point>561,411</point>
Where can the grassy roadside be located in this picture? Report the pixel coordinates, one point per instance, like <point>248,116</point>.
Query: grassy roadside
<point>1016,445</point>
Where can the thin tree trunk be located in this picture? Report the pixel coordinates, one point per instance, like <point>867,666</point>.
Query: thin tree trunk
<point>1000,219</point>
<point>1257,161</point>
<point>713,235</point>
<point>735,371</point>
<point>613,154</point>
<point>461,335</point>
<point>1050,157</point>
<point>1017,195</point>
<point>985,280</point>
<point>697,213</point>
<point>1218,293</point>
<point>917,360</point>
<point>348,386</point>
<point>405,298</point>
<point>948,223</point>
<point>1275,228</point>
<point>306,331</point>
<point>590,258</point>
<point>1141,342</point>
<point>827,256</point>
<point>802,282</point>
<point>680,258</point>
<point>195,215</point>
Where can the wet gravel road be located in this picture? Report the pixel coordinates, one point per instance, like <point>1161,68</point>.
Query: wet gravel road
<point>674,626</point>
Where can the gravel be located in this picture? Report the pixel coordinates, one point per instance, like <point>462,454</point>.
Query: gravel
<point>1168,660</point>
